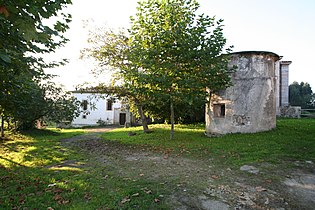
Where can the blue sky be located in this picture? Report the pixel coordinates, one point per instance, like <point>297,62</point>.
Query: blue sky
<point>285,27</point>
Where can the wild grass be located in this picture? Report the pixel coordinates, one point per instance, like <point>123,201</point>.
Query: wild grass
<point>293,139</point>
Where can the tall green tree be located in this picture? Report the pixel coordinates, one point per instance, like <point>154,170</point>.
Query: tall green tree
<point>179,52</point>
<point>111,49</point>
<point>301,94</point>
<point>25,36</point>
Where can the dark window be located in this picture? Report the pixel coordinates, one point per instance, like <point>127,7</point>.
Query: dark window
<point>109,105</point>
<point>219,110</point>
<point>84,116</point>
<point>122,118</point>
<point>84,104</point>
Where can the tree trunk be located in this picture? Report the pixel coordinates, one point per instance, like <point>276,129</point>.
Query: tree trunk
<point>8,123</point>
<point>2,126</point>
<point>172,120</point>
<point>142,117</point>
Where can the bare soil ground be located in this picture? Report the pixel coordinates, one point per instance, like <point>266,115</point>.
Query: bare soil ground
<point>202,184</point>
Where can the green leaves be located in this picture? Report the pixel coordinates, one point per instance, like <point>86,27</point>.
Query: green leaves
<point>181,53</point>
<point>169,56</point>
<point>5,58</point>
<point>26,29</point>
<point>25,38</point>
<point>301,95</point>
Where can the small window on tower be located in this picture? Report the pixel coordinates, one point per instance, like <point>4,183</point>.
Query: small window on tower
<point>109,105</point>
<point>219,110</point>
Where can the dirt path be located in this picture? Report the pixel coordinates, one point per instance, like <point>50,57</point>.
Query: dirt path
<point>201,184</point>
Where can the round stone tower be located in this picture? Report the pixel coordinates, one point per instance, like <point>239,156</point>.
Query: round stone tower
<point>249,105</point>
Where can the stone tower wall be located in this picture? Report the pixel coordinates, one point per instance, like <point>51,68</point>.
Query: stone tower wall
<point>249,105</point>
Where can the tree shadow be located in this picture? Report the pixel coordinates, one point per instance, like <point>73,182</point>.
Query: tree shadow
<point>38,172</point>
<point>40,133</point>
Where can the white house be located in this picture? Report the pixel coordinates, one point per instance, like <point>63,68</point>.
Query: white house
<point>100,110</point>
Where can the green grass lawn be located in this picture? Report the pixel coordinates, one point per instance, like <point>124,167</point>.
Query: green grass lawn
<point>24,179</point>
<point>32,174</point>
<point>293,139</point>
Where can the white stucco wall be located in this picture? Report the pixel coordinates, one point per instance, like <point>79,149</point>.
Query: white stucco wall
<point>97,110</point>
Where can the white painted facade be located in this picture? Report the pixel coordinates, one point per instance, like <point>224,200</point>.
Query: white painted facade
<point>100,109</point>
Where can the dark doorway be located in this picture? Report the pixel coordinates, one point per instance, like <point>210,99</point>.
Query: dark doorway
<point>122,118</point>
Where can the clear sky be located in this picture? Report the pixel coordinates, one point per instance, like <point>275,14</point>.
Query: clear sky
<point>285,27</point>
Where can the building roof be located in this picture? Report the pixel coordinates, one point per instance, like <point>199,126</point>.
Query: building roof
<point>258,53</point>
<point>285,62</point>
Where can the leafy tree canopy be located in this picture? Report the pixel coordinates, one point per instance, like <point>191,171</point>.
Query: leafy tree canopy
<point>25,36</point>
<point>179,52</point>
<point>301,94</point>
<point>168,57</point>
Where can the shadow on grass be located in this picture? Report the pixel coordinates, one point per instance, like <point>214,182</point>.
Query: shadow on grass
<point>24,181</point>
<point>41,133</point>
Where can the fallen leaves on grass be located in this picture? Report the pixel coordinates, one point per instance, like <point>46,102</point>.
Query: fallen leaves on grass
<point>60,200</point>
<point>135,195</point>
<point>125,200</point>
<point>88,196</point>
<point>57,190</point>
<point>22,200</point>
<point>19,188</point>
<point>63,202</point>
<point>215,177</point>
<point>147,191</point>
<point>57,197</point>
<point>260,189</point>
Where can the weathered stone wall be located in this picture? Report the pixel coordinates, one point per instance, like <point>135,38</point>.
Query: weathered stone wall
<point>291,111</point>
<point>249,105</point>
